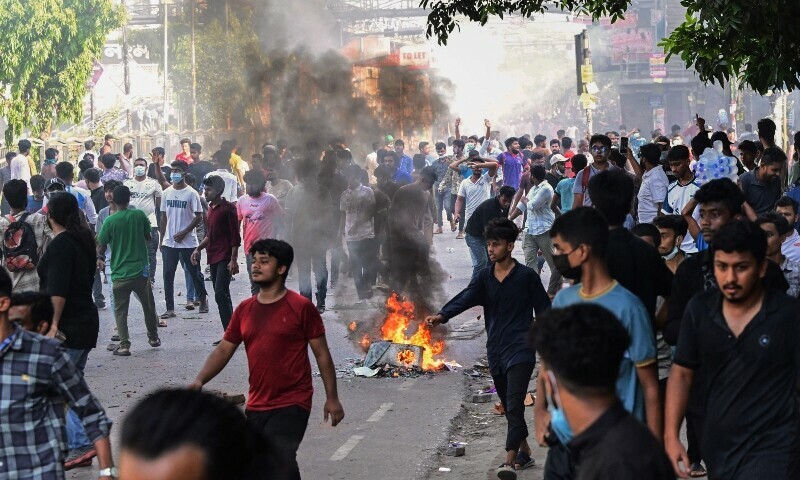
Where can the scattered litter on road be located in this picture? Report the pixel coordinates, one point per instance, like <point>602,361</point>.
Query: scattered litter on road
<point>491,389</point>
<point>455,449</point>
<point>366,371</point>
<point>530,399</point>
<point>444,469</point>
<point>482,397</point>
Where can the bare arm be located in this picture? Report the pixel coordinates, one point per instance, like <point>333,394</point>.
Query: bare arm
<point>104,458</point>
<point>648,377</point>
<point>457,211</point>
<point>678,388</point>
<point>686,213</point>
<point>58,309</point>
<point>456,165</point>
<point>162,227</point>
<point>327,371</point>
<point>215,363</point>
<point>541,418</point>
<point>160,178</point>
<point>577,200</point>
<point>637,169</point>
<point>555,205</point>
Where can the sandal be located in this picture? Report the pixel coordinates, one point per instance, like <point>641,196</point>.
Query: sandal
<point>167,314</point>
<point>697,470</point>
<point>122,352</point>
<point>498,409</point>
<point>460,235</point>
<point>523,461</point>
<point>162,323</point>
<point>506,472</point>
<point>189,305</point>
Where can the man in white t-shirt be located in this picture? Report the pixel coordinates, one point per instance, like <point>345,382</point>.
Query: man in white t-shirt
<point>681,190</point>
<point>181,212</point>
<point>232,188</point>
<point>477,188</point>
<point>787,208</point>
<point>20,166</point>
<point>146,196</point>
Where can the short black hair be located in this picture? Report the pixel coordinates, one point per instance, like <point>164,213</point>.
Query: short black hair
<point>647,230</point>
<point>50,153</point>
<point>85,164</point>
<point>583,345</point>
<point>678,152</point>
<point>611,192</point>
<point>699,144</point>
<point>579,162</point>
<point>676,223</point>
<point>353,171</point>
<point>5,280</point>
<point>721,190</point>
<point>507,191</point>
<point>24,146</point>
<point>159,150</point>
<point>766,129</point>
<point>428,172</point>
<point>566,142</point>
<point>600,138</point>
<point>399,143</point>
<point>773,155</point>
<point>65,171</point>
<point>37,182</point>
<point>441,146</point>
<point>92,175</point>
<point>111,185</point>
<point>181,165</point>
<point>169,419</point>
<point>15,192</point>
<point>222,157</point>
<point>281,251</point>
<point>40,303</point>
<point>108,160</point>
<point>538,172</point>
<point>583,225</point>
<point>781,224</point>
<point>510,141</point>
<point>121,195</point>
<point>784,201</point>
<point>651,154</point>
<point>740,236</point>
<point>196,147</point>
<point>748,146</point>
<point>423,145</point>
<point>458,143</point>
<point>501,229</point>
<point>215,181</point>
<point>419,161</point>
<point>88,144</point>
<point>539,139</point>
<point>186,140</point>
<point>555,141</point>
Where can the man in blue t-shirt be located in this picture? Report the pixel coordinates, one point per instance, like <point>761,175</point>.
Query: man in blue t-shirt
<point>580,237</point>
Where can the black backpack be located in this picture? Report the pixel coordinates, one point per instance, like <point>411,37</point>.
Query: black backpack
<point>20,251</point>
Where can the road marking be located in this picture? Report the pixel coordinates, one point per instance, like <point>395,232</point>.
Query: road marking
<point>380,412</point>
<point>345,449</point>
<point>408,384</point>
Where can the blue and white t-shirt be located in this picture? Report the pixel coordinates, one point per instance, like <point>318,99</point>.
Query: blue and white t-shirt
<point>678,195</point>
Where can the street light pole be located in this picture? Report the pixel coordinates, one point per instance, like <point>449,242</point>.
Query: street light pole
<point>194,70</point>
<point>165,121</point>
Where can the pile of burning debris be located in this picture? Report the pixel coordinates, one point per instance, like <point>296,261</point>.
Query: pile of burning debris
<point>398,355</point>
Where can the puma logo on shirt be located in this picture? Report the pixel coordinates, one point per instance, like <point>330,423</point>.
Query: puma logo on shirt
<point>177,203</point>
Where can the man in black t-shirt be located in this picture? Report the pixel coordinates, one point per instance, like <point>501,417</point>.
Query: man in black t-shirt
<point>487,211</point>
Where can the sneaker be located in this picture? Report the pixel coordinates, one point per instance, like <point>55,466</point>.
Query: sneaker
<point>506,472</point>
<point>154,342</point>
<point>80,457</point>
<point>204,307</point>
<point>122,351</point>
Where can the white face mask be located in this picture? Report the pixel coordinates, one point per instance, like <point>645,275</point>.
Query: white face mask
<point>139,170</point>
<point>672,254</point>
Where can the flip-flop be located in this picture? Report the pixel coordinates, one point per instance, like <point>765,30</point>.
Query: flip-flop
<point>523,461</point>
<point>697,471</point>
<point>162,323</point>
<point>498,409</point>
<point>166,315</point>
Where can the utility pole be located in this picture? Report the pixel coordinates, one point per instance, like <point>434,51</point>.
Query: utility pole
<point>194,68</point>
<point>126,73</point>
<point>583,70</point>
<point>165,121</point>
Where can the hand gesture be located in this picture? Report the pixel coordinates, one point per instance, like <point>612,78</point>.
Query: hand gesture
<point>101,265</point>
<point>195,256</point>
<point>178,237</point>
<point>487,123</point>
<point>458,121</point>
<point>434,320</point>
<point>677,455</point>
<point>196,385</point>
<point>233,267</point>
<point>333,408</point>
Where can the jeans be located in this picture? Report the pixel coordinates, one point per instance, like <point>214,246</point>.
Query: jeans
<point>152,251</point>
<point>122,295</point>
<point>97,290</point>
<point>361,255</point>
<point>512,384</point>
<point>442,201</point>
<point>76,434</point>
<point>191,294</point>
<point>531,245</point>
<point>283,430</point>
<point>253,287</point>
<point>306,261</point>
<point>170,258</point>
<point>477,251</point>
<point>221,280</point>
<point>337,255</point>
<point>453,198</point>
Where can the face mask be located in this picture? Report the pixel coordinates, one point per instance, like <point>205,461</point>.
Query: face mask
<point>469,146</point>
<point>564,268</point>
<point>176,177</point>
<point>558,420</point>
<point>671,254</point>
<point>139,171</point>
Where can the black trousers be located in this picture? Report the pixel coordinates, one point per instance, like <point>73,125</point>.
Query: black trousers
<point>283,430</point>
<point>512,384</point>
<point>221,280</point>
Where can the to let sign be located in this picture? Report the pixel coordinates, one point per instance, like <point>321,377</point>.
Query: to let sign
<point>97,72</point>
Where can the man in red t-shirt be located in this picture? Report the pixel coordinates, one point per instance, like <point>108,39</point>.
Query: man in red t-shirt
<point>185,154</point>
<point>277,326</point>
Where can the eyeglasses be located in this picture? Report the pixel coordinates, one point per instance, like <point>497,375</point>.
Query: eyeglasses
<point>597,149</point>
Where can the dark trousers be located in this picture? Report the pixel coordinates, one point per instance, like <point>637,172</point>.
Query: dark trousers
<point>337,255</point>
<point>694,438</point>
<point>170,257</point>
<point>360,254</point>
<point>283,430</point>
<point>221,280</point>
<point>97,289</point>
<point>152,250</point>
<point>558,465</point>
<point>306,261</point>
<point>512,384</point>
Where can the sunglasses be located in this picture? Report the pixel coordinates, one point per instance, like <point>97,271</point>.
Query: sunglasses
<point>599,149</point>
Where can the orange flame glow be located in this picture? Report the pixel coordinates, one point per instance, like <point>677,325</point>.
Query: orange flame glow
<point>365,342</point>
<point>399,315</point>
<point>352,326</point>
<point>407,357</point>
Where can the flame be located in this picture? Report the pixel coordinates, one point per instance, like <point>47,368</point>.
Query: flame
<point>365,342</point>
<point>352,326</point>
<point>399,315</point>
<point>407,357</point>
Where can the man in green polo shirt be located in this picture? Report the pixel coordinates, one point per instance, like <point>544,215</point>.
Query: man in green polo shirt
<point>127,232</point>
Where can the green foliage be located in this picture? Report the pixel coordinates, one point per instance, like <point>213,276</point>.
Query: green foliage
<point>721,39</point>
<point>49,47</point>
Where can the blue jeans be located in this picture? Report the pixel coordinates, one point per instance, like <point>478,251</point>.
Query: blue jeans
<point>191,294</point>
<point>170,257</point>
<point>76,434</point>
<point>477,250</point>
<point>442,202</point>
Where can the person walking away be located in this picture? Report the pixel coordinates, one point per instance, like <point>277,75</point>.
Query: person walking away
<point>66,273</point>
<point>738,344</point>
<point>279,400</point>
<point>25,236</point>
<point>508,292</point>
<point>110,170</point>
<point>537,230</point>
<point>20,166</point>
<point>221,159</point>
<point>127,232</point>
<point>49,163</point>
<point>655,183</point>
<point>260,214</point>
<point>580,390</point>
<point>146,195</point>
<point>222,241</point>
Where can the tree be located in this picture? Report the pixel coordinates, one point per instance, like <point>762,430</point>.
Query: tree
<point>722,40</point>
<point>49,47</point>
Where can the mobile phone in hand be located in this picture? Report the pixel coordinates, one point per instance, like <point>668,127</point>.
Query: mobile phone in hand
<point>623,145</point>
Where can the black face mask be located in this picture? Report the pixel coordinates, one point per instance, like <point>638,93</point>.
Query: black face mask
<point>565,269</point>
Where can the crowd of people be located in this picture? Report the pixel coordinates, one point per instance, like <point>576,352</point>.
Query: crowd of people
<point>670,297</point>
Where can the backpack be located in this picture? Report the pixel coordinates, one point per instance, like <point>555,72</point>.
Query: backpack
<point>20,251</point>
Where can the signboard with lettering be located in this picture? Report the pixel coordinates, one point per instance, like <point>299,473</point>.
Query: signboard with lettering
<point>415,56</point>
<point>658,65</point>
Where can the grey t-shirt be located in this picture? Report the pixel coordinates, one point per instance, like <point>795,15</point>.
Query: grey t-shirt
<point>761,196</point>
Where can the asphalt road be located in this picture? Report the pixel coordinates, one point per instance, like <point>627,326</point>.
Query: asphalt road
<point>394,427</point>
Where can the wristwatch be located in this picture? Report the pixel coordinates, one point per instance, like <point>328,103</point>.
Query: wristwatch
<point>108,472</point>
